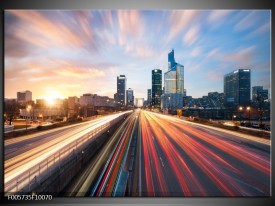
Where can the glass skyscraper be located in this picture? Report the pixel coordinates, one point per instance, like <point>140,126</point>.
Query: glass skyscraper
<point>156,87</point>
<point>237,87</point>
<point>149,97</point>
<point>121,90</point>
<point>172,98</point>
<point>130,97</point>
<point>171,60</point>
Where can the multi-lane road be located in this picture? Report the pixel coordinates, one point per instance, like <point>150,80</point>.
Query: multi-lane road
<point>178,158</point>
<point>24,153</point>
<point>152,154</point>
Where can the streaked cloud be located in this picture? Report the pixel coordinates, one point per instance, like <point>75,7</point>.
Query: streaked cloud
<point>218,15</point>
<point>247,22</point>
<point>196,52</point>
<point>179,20</point>
<point>242,57</point>
<point>264,29</point>
<point>80,51</point>
<point>214,52</point>
<point>192,35</point>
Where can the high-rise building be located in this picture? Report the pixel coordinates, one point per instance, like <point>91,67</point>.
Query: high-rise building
<point>185,93</point>
<point>173,85</point>
<point>149,97</point>
<point>130,97</point>
<point>156,87</point>
<point>24,97</point>
<point>171,60</point>
<point>237,88</point>
<point>121,90</point>
<point>258,93</point>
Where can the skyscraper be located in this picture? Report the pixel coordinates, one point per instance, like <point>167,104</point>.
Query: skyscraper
<point>171,60</point>
<point>130,97</point>
<point>173,85</point>
<point>121,89</point>
<point>156,87</point>
<point>149,97</point>
<point>259,93</point>
<point>237,88</point>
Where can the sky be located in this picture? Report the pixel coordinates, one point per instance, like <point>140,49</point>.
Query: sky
<point>62,53</point>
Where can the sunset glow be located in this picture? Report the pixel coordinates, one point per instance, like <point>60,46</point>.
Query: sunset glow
<point>83,51</point>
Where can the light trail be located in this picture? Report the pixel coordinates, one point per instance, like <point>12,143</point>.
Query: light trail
<point>199,163</point>
<point>20,164</point>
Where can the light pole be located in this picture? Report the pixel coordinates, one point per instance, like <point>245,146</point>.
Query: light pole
<point>27,110</point>
<point>240,109</point>
<point>248,109</point>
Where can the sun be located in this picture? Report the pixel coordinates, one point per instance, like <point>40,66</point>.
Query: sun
<point>50,100</point>
<point>51,97</point>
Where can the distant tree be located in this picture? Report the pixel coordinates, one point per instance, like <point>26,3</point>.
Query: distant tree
<point>11,110</point>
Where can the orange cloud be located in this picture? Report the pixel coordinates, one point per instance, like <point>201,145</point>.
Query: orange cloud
<point>45,32</point>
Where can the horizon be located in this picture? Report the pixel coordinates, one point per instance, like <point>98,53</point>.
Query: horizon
<point>86,50</point>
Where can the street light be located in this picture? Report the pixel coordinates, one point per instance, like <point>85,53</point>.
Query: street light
<point>233,116</point>
<point>82,154</point>
<point>41,116</point>
<point>240,109</point>
<point>248,109</point>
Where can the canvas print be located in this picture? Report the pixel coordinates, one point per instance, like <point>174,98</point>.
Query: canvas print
<point>137,103</point>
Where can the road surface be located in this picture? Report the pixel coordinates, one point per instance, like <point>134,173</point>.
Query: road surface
<point>178,158</point>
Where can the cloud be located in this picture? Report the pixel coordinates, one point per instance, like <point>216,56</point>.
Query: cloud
<point>196,52</point>
<point>130,22</point>
<point>242,57</point>
<point>107,18</point>
<point>214,76</point>
<point>218,15</point>
<point>213,53</point>
<point>247,22</point>
<point>193,68</point>
<point>68,69</point>
<point>47,32</point>
<point>191,35</point>
<point>264,29</point>
<point>106,37</point>
<point>178,21</point>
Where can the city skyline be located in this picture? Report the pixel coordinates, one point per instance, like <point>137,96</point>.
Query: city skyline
<point>69,53</point>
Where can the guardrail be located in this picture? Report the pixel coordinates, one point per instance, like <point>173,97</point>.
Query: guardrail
<point>120,175</point>
<point>35,175</point>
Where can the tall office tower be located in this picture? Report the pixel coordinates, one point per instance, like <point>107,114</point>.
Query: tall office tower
<point>121,89</point>
<point>259,92</point>
<point>130,97</point>
<point>237,88</point>
<point>156,87</point>
<point>173,84</point>
<point>149,97</point>
<point>171,60</point>
<point>185,93</point>
<point>24,97</point>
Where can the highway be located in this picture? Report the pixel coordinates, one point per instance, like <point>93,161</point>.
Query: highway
<point>106,183</point>
<point>24,153</point>
<point>152,155</point>
<point>178,158</point>
<point>99,178</point>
